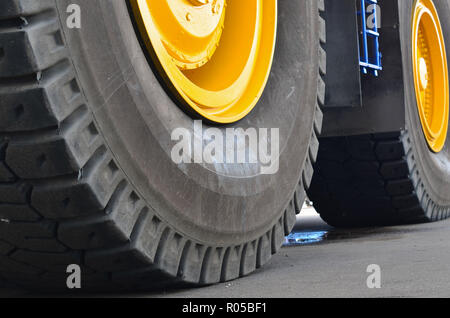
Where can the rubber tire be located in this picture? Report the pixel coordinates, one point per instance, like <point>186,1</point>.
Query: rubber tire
<point>386,179</point>
<point>85,170</point>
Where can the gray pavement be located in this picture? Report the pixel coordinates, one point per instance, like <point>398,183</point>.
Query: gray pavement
<point>414,261</point>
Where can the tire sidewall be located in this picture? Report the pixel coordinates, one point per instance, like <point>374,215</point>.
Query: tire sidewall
<point>136,116</point>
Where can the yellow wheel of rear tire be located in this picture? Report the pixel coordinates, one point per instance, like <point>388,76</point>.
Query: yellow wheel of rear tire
<point>430,73</point>
<point>217,54</point>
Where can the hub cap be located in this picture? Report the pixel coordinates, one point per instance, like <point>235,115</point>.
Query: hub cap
<point>217,54</point>
<point>430,74</point>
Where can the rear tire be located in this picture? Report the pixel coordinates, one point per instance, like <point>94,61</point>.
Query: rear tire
<point>85,171</point>
<point>391,178</point>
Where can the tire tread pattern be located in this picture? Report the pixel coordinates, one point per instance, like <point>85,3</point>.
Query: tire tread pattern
<point>371,180</point>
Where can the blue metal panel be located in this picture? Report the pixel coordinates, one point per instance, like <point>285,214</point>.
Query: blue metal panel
<point>370,61</point>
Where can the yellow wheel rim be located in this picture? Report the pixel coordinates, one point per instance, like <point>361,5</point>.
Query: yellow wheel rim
<point>217,54</point>
<point>430,73</point>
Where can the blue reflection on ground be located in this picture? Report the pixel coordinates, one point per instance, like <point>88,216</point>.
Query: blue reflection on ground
<point>304,238</point>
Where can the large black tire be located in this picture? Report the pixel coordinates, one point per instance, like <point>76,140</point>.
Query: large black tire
<point>85,170</point>
<point>386,179</point>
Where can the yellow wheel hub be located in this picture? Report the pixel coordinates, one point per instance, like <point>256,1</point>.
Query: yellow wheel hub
<point>430,73</point>
<point>217,54</point>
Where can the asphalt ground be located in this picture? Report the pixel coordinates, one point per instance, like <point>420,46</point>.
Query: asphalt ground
<point>320,261</point>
